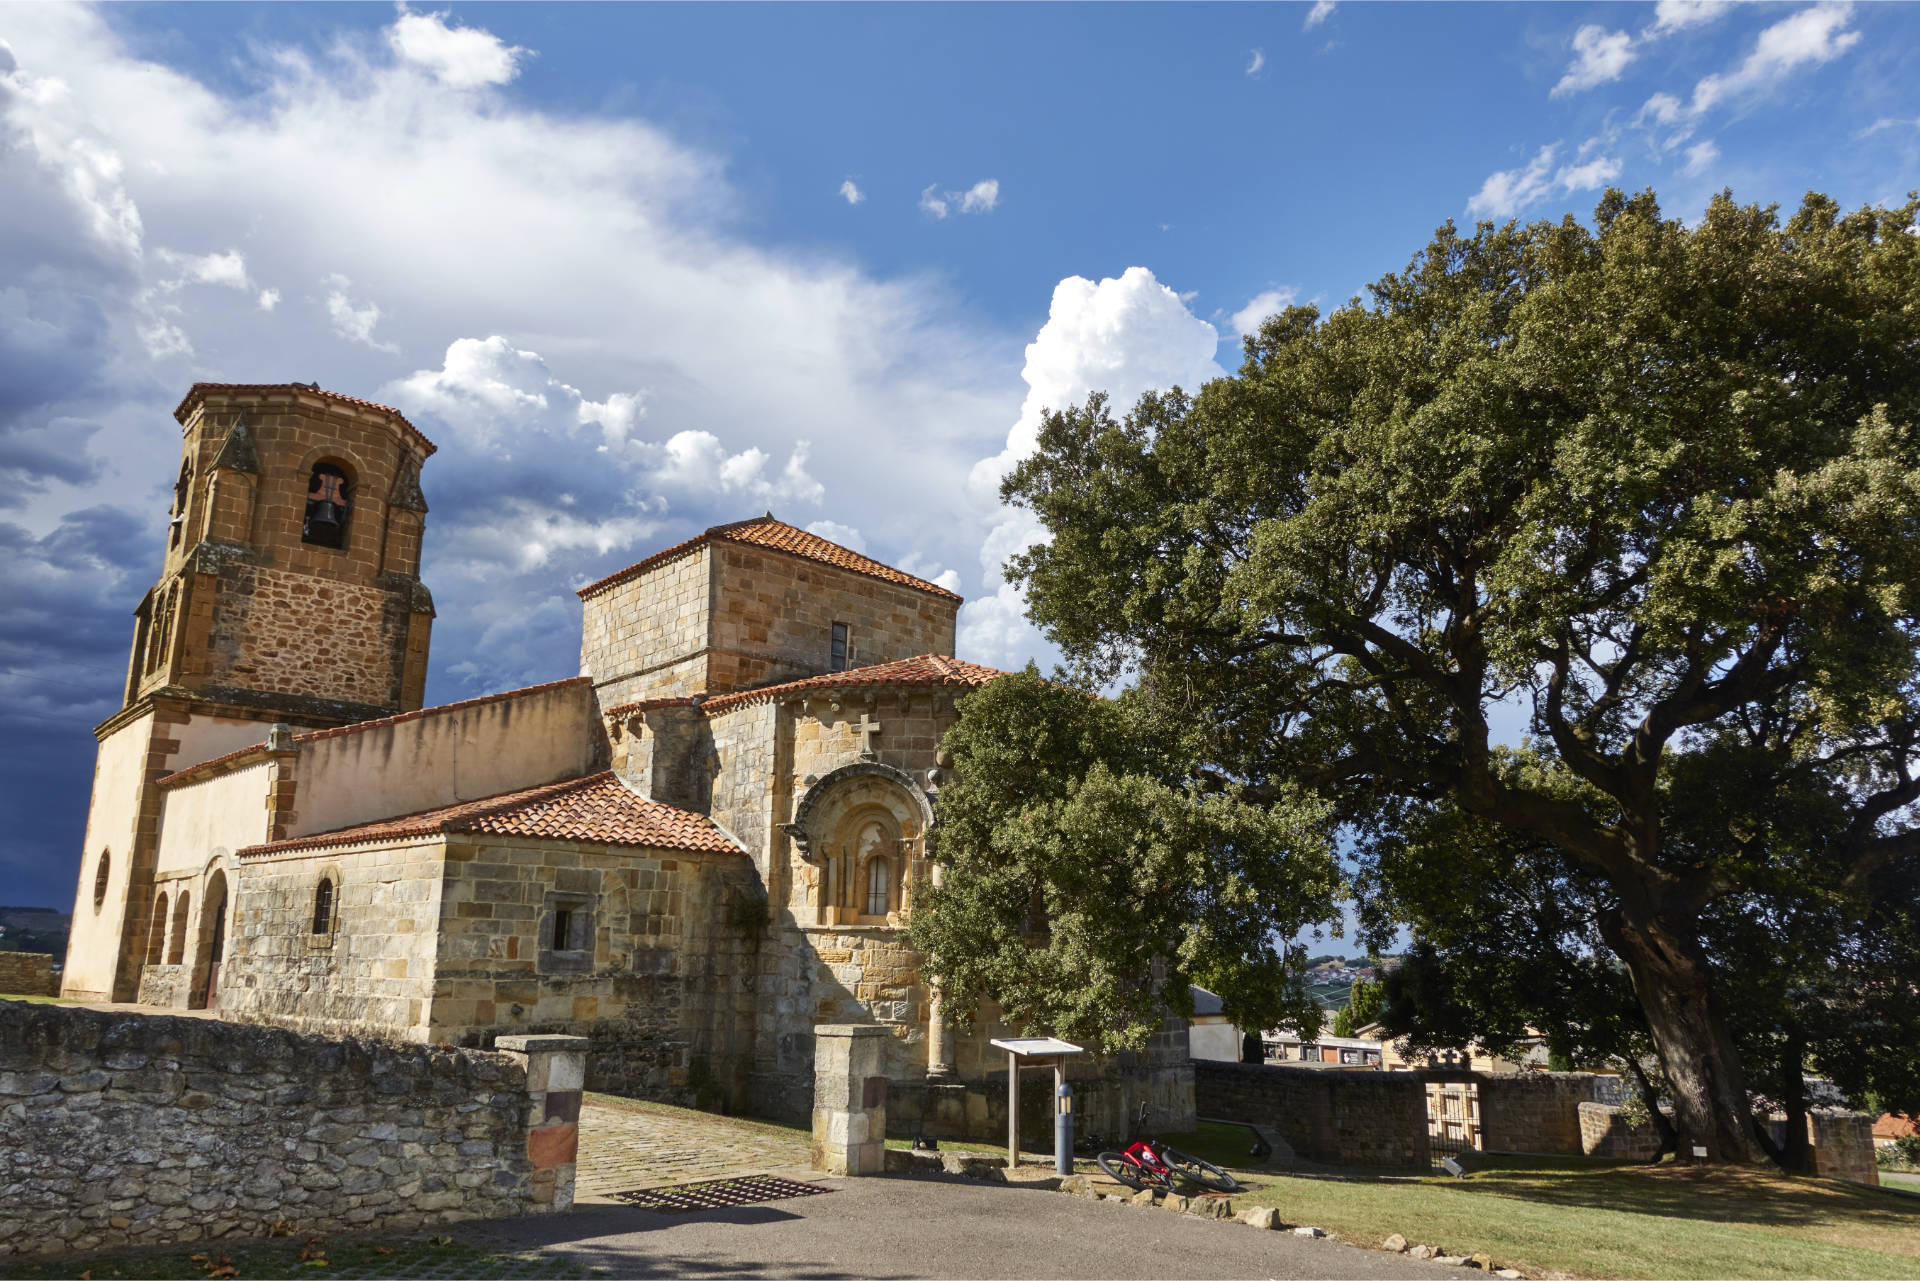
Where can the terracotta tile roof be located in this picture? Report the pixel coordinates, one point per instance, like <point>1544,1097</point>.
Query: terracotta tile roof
<point>596,810</point>
<point>925,669</point>
<point>239,755</point>
<point>1890,1126</point>
<point>216,764</point>
<point>198,390</point>
<point>765,531</point>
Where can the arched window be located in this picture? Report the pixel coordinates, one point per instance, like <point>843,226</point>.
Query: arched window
<point>323,906</point>
<point>879,887</point>
<point>157,932</point>
<point>100,880</point>
<point>177,945</point>
<point>328,504</point>
<point>181,488</point>
<point>162,625</point>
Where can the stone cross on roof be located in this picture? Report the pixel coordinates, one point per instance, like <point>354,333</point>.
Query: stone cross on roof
<point>866,729</point>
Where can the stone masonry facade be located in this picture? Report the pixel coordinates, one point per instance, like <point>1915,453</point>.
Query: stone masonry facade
<point>249,624</point>
<point>690,855</point>
<point>149,1130</point>
<point>27,974</point>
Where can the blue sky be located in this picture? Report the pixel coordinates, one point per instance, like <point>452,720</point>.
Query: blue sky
<point>644,269</point>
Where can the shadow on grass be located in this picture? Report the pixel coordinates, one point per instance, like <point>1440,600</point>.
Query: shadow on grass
<point>1703,1193</point>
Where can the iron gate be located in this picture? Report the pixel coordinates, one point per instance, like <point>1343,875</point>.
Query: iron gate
<point>1453,1120</point>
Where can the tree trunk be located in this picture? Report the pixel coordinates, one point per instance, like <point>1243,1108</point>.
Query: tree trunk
<point>1795,1154</point>
<point>1669,973</point>
<point>1669,1138</point>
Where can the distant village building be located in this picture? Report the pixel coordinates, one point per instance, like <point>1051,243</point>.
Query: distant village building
<point>703,845</point>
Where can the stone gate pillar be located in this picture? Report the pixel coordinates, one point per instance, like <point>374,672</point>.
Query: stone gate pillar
<point>556,1075</point>
<point>849,1098</point>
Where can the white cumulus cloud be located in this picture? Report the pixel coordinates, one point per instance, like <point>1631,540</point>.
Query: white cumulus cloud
<point>227,270</point>
<point>460,57</point>
<point>1257,63</point>
<point>1811,37</point>
<point>851,193</point>
<point>1600,56</point>
<point>353,322</point>
<point>1125,336</point>
<point>1508,192</point>
<point>1700,158</point>
<point>1259,307</point>
<point>1321,11</point>
<point>1678,15</point>
<point>981,197</point>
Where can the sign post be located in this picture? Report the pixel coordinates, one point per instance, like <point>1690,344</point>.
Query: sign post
<point>1034,1051</point>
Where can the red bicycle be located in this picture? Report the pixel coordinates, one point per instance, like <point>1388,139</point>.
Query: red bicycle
<point>1149,1163</point>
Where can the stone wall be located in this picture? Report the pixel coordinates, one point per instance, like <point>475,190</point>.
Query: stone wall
<point>293,633</point>
<point>1535,1111</point>
<point>646,636</point>
<point>371,972</point>
<point>1605,1132</point>
<point>27,974</point>
<point>663,986</point>
<point>1349,1118</point>
<point>773,617</point>
<point>1842,1146</point>
<point>252,607</point>
<point>154,1130</point>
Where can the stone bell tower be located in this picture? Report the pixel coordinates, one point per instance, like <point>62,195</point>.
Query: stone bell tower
<point>290,592</point>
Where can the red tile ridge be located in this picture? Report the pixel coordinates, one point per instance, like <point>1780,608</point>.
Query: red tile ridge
<point>920,670</point>
<point>774,535</point>
<point>570,809</point>
<point>341,731</point>
<point>313,389</point>
<point>215,764</point>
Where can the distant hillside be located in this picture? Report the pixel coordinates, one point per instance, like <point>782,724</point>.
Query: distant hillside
<point>1330,979</point>
<point>34,929</point>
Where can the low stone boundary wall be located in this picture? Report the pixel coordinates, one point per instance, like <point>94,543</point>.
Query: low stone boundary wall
<point>1380,1118</point>
<point>27,974</point>
<point>1535,1112</point>
<point>1842,1145</point>
<point>1349,1118</point>
<point>1605,1132</point>
<point>134,1129</point>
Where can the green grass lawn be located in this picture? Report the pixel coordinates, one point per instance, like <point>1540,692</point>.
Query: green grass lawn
<point>38,1000</point>
<point>1594,1220</point>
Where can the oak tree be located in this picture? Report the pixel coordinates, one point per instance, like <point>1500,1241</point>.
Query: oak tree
<point>1627,485</point>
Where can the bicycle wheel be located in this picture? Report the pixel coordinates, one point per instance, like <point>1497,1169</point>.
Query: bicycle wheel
<point>1122,1169</point>
<point>1202,1173</point>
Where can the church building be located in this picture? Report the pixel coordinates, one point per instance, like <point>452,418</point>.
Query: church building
<point>703,845</point>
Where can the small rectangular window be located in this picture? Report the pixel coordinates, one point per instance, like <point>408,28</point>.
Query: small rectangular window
<point>837,658</point>
<point>562,929</point>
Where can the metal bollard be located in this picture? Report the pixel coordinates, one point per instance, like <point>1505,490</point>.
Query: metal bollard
<point>1063,1130</point>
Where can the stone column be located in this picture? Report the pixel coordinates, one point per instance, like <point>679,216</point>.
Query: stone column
<point>849,1098</point>
<point>939,1044</point>
<point>556,1074</point>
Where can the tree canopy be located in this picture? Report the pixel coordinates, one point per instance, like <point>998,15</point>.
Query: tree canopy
<point>1086,880</point>
<point>1643,491</point>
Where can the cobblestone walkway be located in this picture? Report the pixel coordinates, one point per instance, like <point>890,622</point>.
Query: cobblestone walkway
<point>626,1145</point>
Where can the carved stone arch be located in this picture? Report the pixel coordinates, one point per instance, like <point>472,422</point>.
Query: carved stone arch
<point>803,828</point>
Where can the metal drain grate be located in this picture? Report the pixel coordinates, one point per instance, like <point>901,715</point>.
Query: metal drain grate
<point>719,1194</point>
